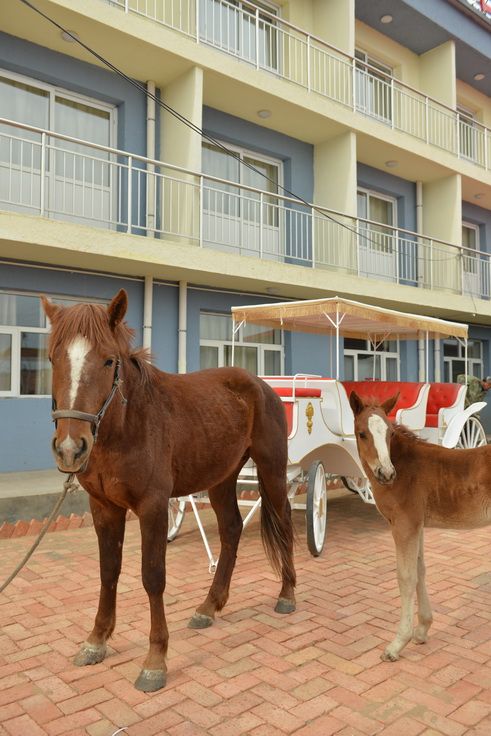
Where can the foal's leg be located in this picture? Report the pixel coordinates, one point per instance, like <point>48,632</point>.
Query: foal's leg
<point>407,544</point>
<point>153,516</point>
<point>425,617</point>
<point>109,523</point>
<point>223,499</point>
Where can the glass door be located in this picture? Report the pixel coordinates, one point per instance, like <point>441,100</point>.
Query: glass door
<point>377,242</point>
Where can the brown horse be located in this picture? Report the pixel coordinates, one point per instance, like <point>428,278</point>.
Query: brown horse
<point>136,436</point>
<point>417,484</point>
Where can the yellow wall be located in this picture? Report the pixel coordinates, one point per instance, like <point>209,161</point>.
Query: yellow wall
<point>438,73</point>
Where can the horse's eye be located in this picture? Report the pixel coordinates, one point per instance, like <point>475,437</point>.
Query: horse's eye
<point>109,362</point>
<point>362,435</point>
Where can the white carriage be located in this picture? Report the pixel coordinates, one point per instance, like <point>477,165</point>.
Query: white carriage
<point>321,441</point>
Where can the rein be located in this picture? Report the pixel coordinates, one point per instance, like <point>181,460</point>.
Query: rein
<point>94,419</point>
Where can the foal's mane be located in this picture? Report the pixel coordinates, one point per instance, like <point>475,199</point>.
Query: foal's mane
<point>91,321</point>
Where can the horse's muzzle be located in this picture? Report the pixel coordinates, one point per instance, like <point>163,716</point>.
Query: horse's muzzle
<point>71,455</point>
<point>385,477</point>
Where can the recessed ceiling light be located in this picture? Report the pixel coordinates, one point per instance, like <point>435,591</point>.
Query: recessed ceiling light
<point>69,36</point>
<point>264,114</point>
<point>479,76</point>
<point>386,19</point>
<point>391,164</point>
<point>479,195</point>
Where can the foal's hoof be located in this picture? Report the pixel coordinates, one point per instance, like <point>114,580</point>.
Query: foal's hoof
<point>90,654</point>
<point>389,656</point>
<point>200,621</point>
<point>148,681</point>
<point>284,605</point>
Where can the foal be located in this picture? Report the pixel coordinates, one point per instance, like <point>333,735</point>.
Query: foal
<point>417,484</point>
<point>135,436</point>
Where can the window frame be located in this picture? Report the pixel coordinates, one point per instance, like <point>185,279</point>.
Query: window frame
<point>384,355</point>
<point>472,363</point>
<point>239,342</point>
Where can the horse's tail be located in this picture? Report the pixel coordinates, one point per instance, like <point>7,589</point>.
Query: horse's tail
<point>278,536</point>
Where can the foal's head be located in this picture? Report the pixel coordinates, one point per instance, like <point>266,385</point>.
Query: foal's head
<point>86,344</point>
<point>373,431</point>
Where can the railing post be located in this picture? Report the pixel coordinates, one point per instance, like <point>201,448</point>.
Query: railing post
<point>353,84</point>
<point>126,5</point>
<point>461,271</point>
<point>201,202</point>
<point>427,120</point>
<point>431,264</point>
<point>257,38</point>
<point>357,228</point>
<point>457,125</point>
<point>396,236</point>
<point>130,194</point>
<point>261,224</point>
<point>42,193</point>
<point>486,136</point>
<point>309,49</point>
<point>197,21</point>
<point>392,108</point>
<point>314,260</point>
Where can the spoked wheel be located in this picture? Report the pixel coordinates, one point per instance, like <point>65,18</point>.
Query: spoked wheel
<point>316,511</point>
<point>472,434</point>
<point>177,507</point>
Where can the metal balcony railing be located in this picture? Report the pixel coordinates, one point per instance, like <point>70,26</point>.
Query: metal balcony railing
<point>58,176</point>
<point>267,42</point>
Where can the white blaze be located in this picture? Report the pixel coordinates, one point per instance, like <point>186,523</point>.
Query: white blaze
<point>76,353</point>
<point>378,428</point>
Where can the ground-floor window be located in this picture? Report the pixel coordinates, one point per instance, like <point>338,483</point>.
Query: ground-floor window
<point>362,362</point>
<point>24,366</point>
<point>454,359</point>
<point>258,349</point>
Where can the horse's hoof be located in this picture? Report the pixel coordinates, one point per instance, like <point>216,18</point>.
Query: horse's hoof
<point>389,656</point>
<point>90,654</point>
<point>284,605</point>
<point>200,621</point>
<point>420,637</point>
<point>148,681</point>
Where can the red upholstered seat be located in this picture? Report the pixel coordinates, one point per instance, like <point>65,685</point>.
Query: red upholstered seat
<point>442,395</point>
<point>302,393</point>
<point>288,407</point>
<point>382,390</point>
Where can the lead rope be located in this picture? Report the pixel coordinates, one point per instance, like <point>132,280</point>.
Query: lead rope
<point>68,486</point>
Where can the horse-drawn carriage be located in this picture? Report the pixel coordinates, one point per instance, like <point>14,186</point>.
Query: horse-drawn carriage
<point>321,439</point>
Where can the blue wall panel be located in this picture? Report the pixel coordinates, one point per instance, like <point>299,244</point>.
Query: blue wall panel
<point>165,319</point>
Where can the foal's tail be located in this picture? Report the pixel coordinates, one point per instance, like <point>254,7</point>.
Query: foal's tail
<point>278,536</point>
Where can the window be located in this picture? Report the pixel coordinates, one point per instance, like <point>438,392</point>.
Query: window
<point>236,218</point>
<point>454,359</point>
<point>373,87</point>
<point>77,177</point>
<point>471,263</point>
<point>258,349</point>
<point>24,366</point>
<point>377,243</point>
<point>362,362</point>
<point>231,27</point>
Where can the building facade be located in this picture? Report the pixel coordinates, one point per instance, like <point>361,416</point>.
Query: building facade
<point>361,166</point>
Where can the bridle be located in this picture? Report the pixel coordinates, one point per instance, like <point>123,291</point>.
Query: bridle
<point>94,419</point>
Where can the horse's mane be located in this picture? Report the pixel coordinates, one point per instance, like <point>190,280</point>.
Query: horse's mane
<point>402,431</point>
<point>90,320</point>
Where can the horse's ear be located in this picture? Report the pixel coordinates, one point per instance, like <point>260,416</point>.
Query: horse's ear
<point>356,403</point>
<point>50,309</point>
<point>389,404</point>
<point>117,309</point>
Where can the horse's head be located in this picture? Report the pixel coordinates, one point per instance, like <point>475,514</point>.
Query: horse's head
<point>373,431</point>
<point>85,348</point>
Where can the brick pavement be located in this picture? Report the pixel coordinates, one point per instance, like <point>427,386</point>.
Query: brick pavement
<point>313,673</point>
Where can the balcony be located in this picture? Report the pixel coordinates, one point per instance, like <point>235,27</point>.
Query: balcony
<point>267,42</point>
<point>56,176</point>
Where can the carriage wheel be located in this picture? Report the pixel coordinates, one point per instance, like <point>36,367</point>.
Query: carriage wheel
<point>316,510</point>
<point>472,434</point>
<point>177,507</point>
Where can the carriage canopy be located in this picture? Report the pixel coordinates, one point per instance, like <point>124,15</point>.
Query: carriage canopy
<point>347,318</point>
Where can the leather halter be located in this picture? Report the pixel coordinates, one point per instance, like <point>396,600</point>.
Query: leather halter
<point>94,419</point>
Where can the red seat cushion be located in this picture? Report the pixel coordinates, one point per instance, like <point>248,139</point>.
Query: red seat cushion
<point>381,390</point>
<point>441,395</point>
<point>288,407</point>
<point>302,393</point>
